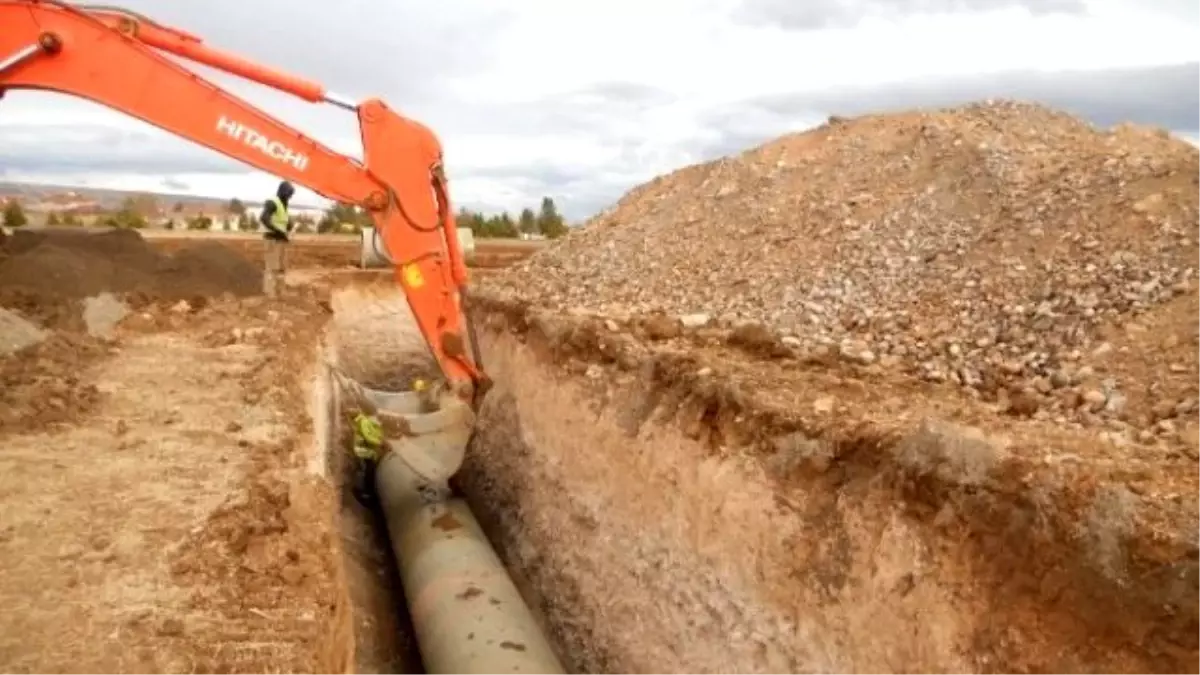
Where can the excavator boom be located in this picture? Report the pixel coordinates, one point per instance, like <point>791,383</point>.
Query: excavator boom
<point>113,57</point>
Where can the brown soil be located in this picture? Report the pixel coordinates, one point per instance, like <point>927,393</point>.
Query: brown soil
<point>187,507</point>
<point>45,276</point>
<point>340,252</point>
<point>301,253</point>
<point>934,370</point>
<point>49,383</point>
<point>159,485</point>
<point>176,523</point>
<point>809,516</point>
<point>42,274</point>
<point>877,492</point>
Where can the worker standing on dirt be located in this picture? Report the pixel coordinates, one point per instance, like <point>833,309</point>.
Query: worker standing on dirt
<point>275,218</point>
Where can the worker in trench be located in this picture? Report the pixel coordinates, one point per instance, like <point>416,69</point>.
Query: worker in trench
<point>370,445</point>
<point>275,218</point>
<point>368,449</point>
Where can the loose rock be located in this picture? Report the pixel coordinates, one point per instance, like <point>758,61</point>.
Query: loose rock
<point>16,333</point>
<point>995,247</point>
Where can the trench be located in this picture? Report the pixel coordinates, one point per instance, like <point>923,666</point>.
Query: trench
<point>617,584</point>
<point>372,339</point>
<point>378,636</point>
<point>548,477</point>
<point>641,548</point>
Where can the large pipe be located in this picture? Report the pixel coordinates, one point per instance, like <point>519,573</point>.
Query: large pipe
<point>468,615</point>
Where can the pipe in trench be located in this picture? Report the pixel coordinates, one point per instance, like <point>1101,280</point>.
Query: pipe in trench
<point>468,615</point>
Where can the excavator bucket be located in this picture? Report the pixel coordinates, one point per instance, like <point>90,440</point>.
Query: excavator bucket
<point>426,430</point>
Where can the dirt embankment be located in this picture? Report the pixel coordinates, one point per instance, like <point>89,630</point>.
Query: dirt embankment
<point>42,272</point>
<point>822,521</point>
<point>1009,250</point>
<point>339,252</point>
<point>924,398</point>
<point>46,279</point>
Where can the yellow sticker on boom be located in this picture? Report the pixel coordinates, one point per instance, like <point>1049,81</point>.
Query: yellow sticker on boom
<point>412,276</point>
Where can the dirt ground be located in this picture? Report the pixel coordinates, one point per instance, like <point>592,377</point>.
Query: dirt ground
<point>928,402</point>
<point>340,250</point>
<point>175,522</point>
<point>162,507</point>
<point>174,500</point>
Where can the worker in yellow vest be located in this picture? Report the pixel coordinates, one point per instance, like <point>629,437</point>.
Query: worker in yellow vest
<point>275,219</point>
<point>368,448</point>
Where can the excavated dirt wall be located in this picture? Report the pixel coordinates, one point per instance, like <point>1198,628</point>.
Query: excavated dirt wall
<point>376,344</point>
<point>657,532</point>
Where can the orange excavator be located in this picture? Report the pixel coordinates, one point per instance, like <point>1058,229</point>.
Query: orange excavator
<point>114,57</point>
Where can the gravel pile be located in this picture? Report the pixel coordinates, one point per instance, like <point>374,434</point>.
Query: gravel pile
<point>992,245</point>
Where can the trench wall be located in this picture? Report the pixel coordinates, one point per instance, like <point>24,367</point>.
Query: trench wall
<point>648,550</point>
<point>646,547</point>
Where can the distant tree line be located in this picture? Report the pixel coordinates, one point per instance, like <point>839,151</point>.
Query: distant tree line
<point>547,221</point>
<point>340,217</point>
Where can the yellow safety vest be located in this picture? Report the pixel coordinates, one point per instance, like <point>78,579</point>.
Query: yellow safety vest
<point>280,218</point>
<point>368,436</point>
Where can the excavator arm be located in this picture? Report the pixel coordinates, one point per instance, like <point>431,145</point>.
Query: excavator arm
<point>114,57</point>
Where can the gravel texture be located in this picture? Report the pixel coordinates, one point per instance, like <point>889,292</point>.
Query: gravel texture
<point>1006,248</point>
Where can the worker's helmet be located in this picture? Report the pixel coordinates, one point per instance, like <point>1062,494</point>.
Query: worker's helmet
<point>286,190</point>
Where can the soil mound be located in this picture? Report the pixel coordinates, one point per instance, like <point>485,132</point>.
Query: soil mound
<point>210,268</point>
<point>1006,248</point>
<point>42,269</point>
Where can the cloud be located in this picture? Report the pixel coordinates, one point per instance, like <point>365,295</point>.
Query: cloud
<point>580,102</point>
<point>37,148</point>
<point>587,147</point>
<point>404,50</point>
<point>1167,96</point>
<point>602,104</point>
<point>817,14</point>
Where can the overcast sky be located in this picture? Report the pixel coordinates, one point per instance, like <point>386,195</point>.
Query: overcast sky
<point>584,99</point>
